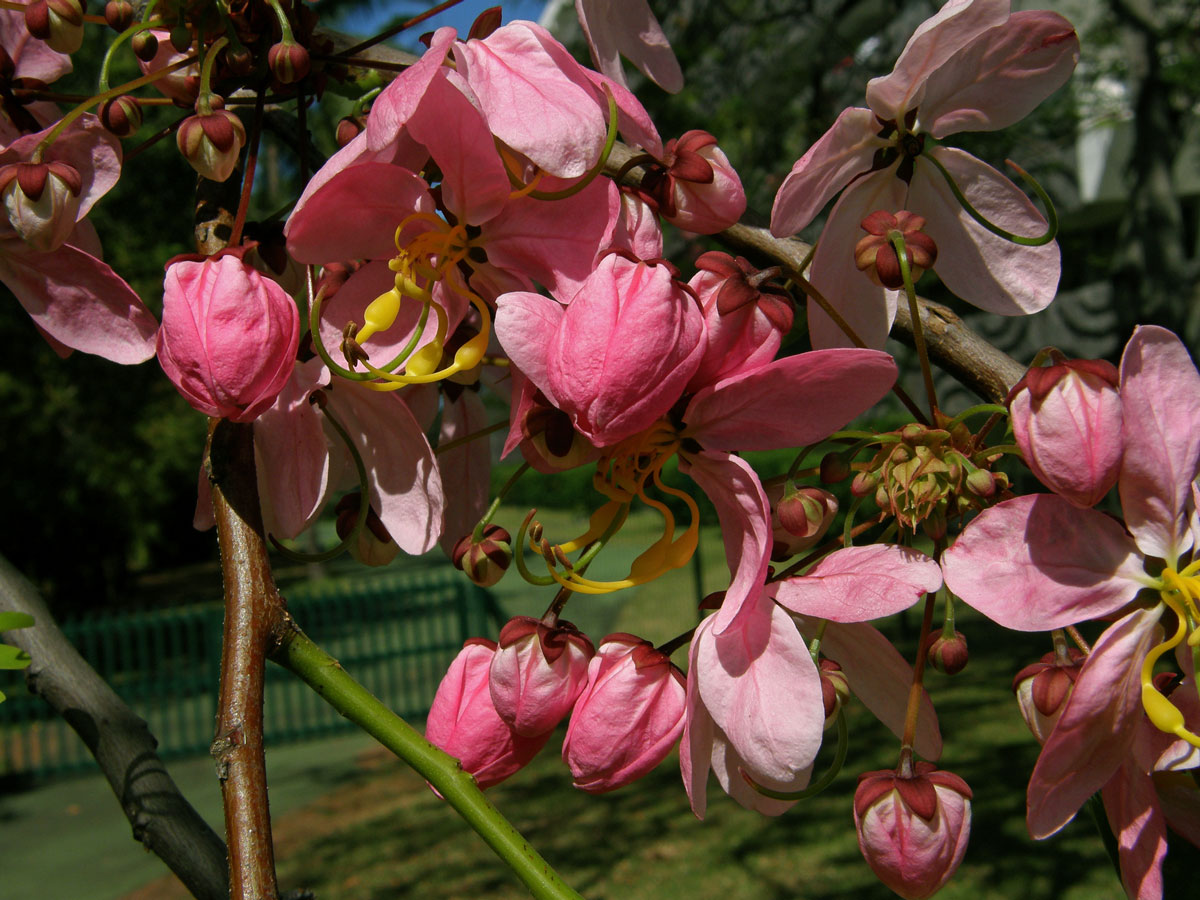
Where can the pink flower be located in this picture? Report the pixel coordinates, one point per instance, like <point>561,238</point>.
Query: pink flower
<point>913,829</point>
<point>229,337</point>
<point>538,673</point>
<point>463,722</point>
<point>1038,563</point>
<point>76,301</point>
<point>756,705</point>
<point>628,29</point>
<point>695,187</point>
<point>628,717</point>
<point>1067,421</point>
<point>971,67</point>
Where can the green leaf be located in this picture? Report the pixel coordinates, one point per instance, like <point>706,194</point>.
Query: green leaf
<point>13,657</point>
<point>12,620</point>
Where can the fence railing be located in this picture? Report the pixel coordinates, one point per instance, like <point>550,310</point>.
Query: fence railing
<point>396,633</point>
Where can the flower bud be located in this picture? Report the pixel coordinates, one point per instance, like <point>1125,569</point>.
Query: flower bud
<point>538,672</point>
<point>57,22</point>
<point>211,143</point>
<point>913,830</point>
<point>118,14</point>
<point>288,62</point>
<point>42,201</point>
<point>835,689</point>
<point>486,561</point>
<point>1066,419</point>
<point>628,717</point>
<point>947,654</point>
<point>228,338</point>
<point>800,520</point>
<point>834,467</point>
<point>144,45</point>
<point>348,129</point>
<point>696,189</point>
<point>1043,689</point>
<point>463,722</point>
<point>121,115</point>
<point>374,546</point>
<point>876,255</point>
<point>181,38</point>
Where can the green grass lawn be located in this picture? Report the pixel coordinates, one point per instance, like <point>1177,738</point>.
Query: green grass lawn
<point>644,842</point>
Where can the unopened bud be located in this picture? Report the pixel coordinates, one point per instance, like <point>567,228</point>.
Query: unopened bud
<point>980,482</point>
<point>57,22</point>
<point>485,561</point>
<point>864,484</point>
<point>181,38</point>
<point>876,255</point>
<point>348,129</point>
<point>1043,689</point>
<point>211,143</point>
<point>144,45</point>
<point>538,673</point>
<point>835,689</point>
<point>947,654</point>
<point>118,14</point>
<point>834,468</point>
<point>288,62</point>
<point>42,201</point>
<point>240,60</point>
<point>913,829</point>
<point>121,115</point>
<point>374,546</point>
<point>807,512</point>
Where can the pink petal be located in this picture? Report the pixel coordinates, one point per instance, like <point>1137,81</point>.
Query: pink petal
<point>696,744</point>
<point>745,516</point>
<point>1094,735</point>
<point>537,102</point>
<point>790,402</point>
<point>292,454</point>
<point>396,104</point>
<point>32,57</point>
<point>474,184</point>
<point>406,487</point>
<point>468,467</point>
<point>731,771</point>
<point>881,678</point>
<point>987,271</point>
<point>1132,809</point>
<point>87,146</point>
<point>79,301</point>
<point>528,237</point>
<point>856,584</point>
<point>1002,76</point>
<point>1038,562</point>
<point>381,196</point>
<point>866,306</point>
<point>633,122</point>
<point>932,45</point>
<point>842,153</point>
<point>1160,401</point>
<point>762,690</point>
<point>525,325</point>
<point>632,32</point>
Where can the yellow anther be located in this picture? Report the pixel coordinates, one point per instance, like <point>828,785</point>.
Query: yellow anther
<point>379,315</point>
<point>1163,714</point>
<point>602,519</point>
<point>425,361</point>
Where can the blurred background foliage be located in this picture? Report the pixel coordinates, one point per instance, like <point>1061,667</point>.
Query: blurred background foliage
<point>101,461</point>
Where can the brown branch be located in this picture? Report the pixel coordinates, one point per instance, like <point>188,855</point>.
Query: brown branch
<point>953,346</point>
<point>122,744</point>
<point>253,621</point>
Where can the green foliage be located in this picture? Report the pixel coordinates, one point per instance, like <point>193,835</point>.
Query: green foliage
<point>13,657</point>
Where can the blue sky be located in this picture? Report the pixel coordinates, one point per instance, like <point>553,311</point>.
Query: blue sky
<point>369,17</point>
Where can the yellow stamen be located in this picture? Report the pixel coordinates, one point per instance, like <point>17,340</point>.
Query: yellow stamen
<point>1163,714</point>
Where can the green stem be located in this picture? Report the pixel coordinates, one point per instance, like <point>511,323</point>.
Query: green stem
<point>1051,212</point>
<point>826,779</point>
<point>204,101</point>
<point>910,291</point>
<point>320,671</point>
<point>477,534</point>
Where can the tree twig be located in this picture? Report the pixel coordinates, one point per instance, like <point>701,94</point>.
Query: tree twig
<point>162,818</point>
<point>253,619</point>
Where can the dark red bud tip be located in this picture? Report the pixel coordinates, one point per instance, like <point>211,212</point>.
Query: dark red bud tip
<point>485,23</point>
<point>347,130</point>
<point>486,561</point>
<point>121,115</point>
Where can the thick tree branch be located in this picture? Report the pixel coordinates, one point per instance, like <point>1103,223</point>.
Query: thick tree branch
<point>122,744</point>
<point>253,621</point>
<point>953,346</point>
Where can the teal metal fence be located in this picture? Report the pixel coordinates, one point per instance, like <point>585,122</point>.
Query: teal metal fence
<point>395,633</point>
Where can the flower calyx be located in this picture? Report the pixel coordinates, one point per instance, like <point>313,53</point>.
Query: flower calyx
<point>876,254</point>
<point>484,559</point>
<point>744,285</point>
<point>57,22</point>
<point>211,143</point>
<point>42,201</point>
<point>1043,688</point>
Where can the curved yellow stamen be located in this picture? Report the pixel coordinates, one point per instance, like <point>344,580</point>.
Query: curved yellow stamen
<point>1163,714</point>
<point>602,519</point>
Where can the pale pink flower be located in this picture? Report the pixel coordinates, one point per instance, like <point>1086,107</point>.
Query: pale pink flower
<point>538,672</point>
<point>1038,562</point>
<point>30,63</point>
<point>616,28</point>
<point>463,722</point>
<point>971,67</point>
<point>628,717</point>
<point>228,338</point>
<point>695,188</point>
<point>1066,419</point>
<point>76,301</point>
